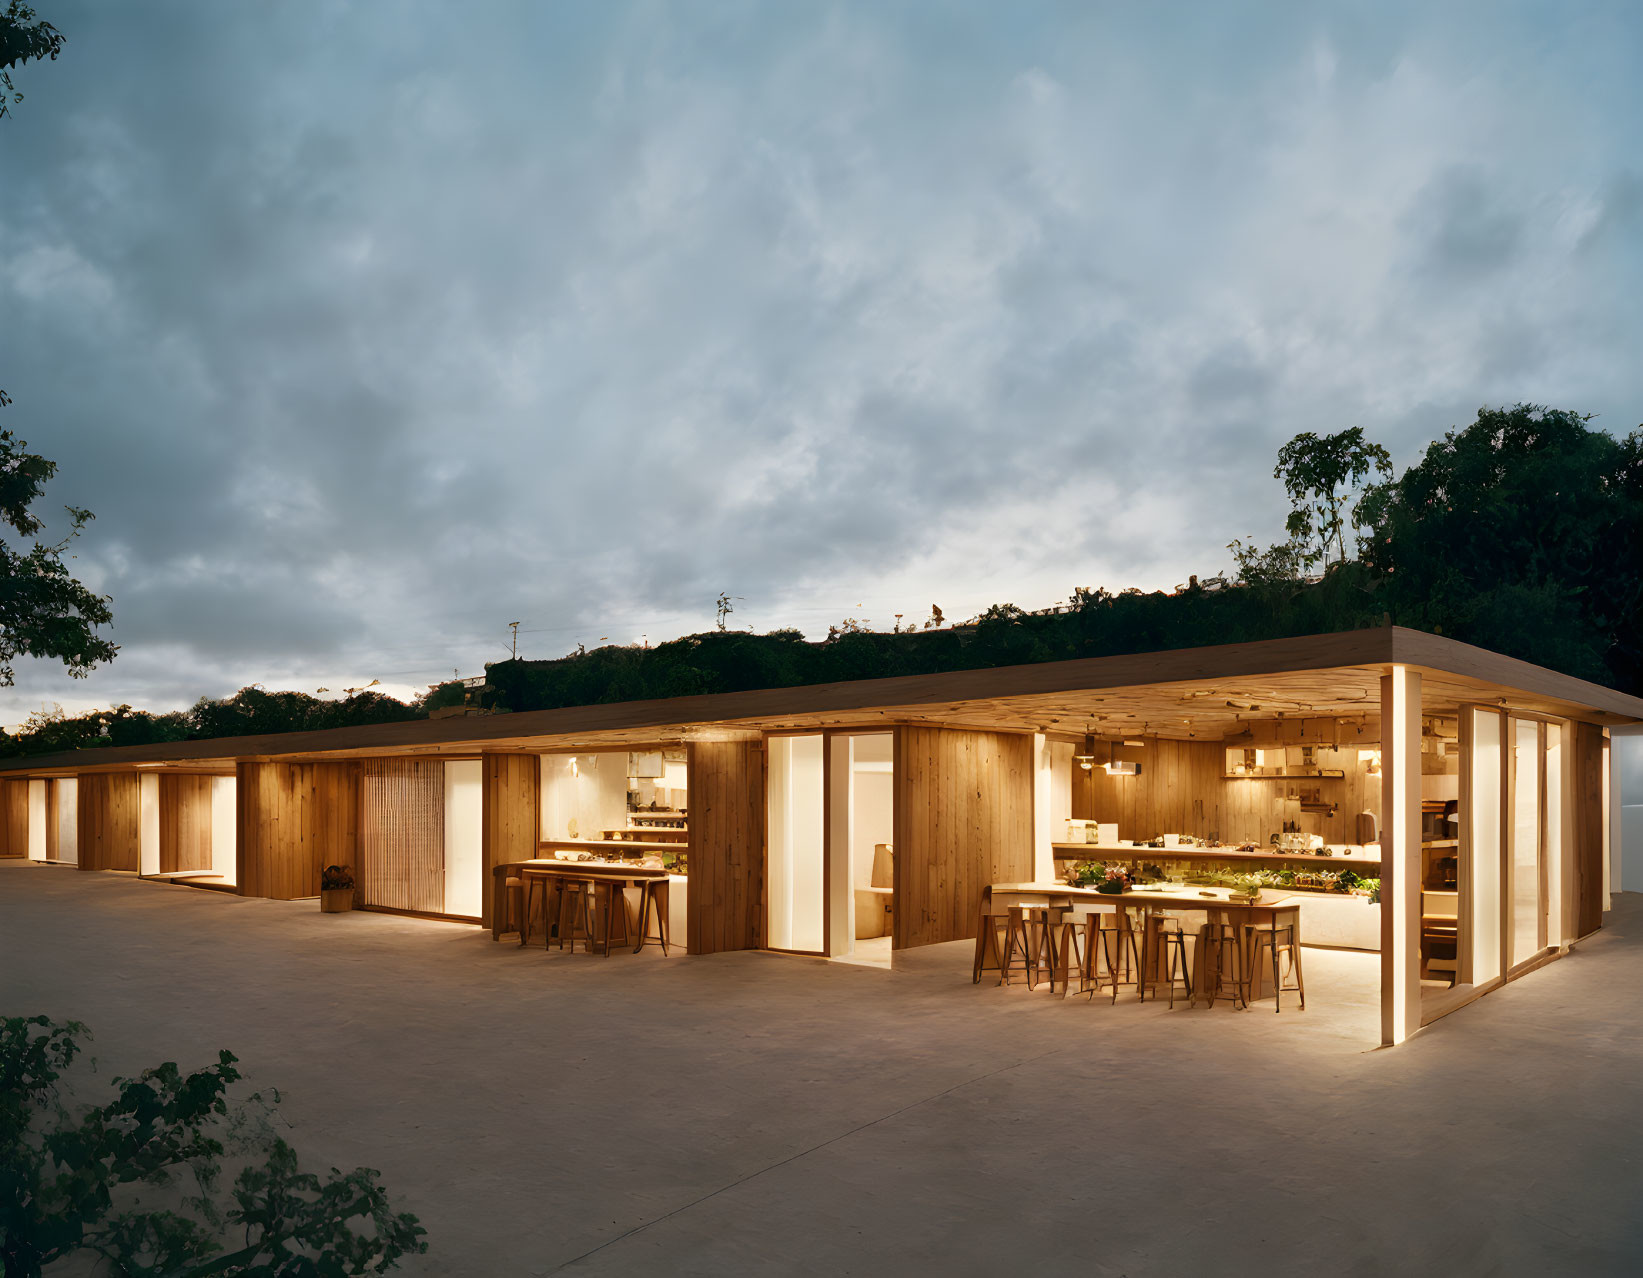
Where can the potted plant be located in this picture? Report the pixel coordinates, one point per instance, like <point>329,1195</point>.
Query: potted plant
<point>1114,882</point>
<point>336,889</point>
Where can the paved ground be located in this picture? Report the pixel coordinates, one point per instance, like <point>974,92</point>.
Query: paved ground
<point>752,1114</point>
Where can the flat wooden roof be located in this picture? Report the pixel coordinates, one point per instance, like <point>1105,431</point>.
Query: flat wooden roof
<point>1182,692</point>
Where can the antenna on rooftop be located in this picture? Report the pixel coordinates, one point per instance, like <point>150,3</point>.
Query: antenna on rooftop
<point>514,626</point>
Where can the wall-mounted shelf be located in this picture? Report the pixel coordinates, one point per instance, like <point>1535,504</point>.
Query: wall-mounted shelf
<point>1326,774</point>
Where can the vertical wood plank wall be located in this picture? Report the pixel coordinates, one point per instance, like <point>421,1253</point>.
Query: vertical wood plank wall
<point>185,823</point>
<point>510,820</point>
<point>1587,805</point>
<point>1183,789</point>
<point>14,819</point>
<point>293,820</point>
<point>110,821</point>
<point>964,819</point>
<point>402,835</point>
<point>725,902</point>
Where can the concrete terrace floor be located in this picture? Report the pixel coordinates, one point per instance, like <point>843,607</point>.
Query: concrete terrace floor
<point>756,1114</point>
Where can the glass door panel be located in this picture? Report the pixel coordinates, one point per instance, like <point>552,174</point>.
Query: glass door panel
<point>1526,911</point>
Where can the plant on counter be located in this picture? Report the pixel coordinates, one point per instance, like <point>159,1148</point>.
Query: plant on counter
<point>1373,887</point>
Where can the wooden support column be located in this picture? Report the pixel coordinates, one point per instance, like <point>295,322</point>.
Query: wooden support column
<point>1587,824</point>
<point>292,820</point>
<point>964,819</point>
<point>185,823</point>
<point>510,817</point>
<point>14,819</point>
<point>724,903</point>
<point>1400,854</point>
<point>110,821</point>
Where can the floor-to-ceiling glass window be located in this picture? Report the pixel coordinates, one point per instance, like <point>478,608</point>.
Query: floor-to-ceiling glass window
<point>1524,826</point>
<point>795,864</point>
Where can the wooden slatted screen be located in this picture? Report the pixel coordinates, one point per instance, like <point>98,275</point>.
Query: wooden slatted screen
<point>402,835</point>
<point>724,905</point>
<point>510,822</point>
<point>110,821</point>
<point>964,819</point>
<point>185,823</point>
<point>292,820</point>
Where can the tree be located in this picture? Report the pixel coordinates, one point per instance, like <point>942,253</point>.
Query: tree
<point>44,610</point>
<point>136,1180</point>
<point>1322,474</point>
<point>22,37</point>
<point>1522,532</point>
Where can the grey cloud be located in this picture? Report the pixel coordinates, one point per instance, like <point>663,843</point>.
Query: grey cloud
<point>365,338</point>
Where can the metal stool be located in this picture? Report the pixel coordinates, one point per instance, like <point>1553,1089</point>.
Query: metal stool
<point>1114,945</point>
<point>1278,938</point>
<point>1029,935</point>
<point>1222,945</point>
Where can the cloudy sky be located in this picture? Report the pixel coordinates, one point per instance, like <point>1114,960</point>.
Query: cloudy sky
<point>366,329</point>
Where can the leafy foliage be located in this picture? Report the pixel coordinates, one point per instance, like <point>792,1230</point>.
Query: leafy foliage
<point>22,37</point>
<point>44,610</point>
<point>1322,474</point>
<point>136,1180</point>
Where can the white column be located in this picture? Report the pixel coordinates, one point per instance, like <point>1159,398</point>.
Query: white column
<point>148,785</point>
<point>1043,810</point>
<point>1400,854</point>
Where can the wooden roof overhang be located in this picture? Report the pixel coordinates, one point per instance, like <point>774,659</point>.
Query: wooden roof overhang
<point>1203,692</point>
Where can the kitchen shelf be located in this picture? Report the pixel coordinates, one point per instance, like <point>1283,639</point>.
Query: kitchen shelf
<point>1087,851</point>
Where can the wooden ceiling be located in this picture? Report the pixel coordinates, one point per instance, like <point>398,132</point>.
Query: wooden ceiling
<point>1183,693</point>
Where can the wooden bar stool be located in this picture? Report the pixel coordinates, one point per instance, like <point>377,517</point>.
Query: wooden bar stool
<point>513,907</point>
<point>1074,948</point>
<point>653,900</point>
<point>575,913</point>
<point>1113,945</point>
<point>1221,952</point>
<point>992,931</point>
<point>1029,935</point>
<point>610,910</point>
<point>1167,950</point>
<point>1277,939</point>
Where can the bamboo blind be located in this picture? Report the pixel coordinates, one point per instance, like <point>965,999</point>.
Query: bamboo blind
<point>402,844</point>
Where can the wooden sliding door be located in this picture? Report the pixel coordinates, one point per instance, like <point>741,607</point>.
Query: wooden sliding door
<point>185,823</point>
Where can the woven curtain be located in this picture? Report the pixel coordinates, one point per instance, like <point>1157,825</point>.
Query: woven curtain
<point>402,860</point>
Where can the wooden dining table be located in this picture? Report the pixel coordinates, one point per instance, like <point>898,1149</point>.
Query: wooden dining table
<point>622,874</point>
<point>1280,910</point>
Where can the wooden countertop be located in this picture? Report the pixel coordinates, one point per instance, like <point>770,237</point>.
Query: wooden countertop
<point>1190,898</point>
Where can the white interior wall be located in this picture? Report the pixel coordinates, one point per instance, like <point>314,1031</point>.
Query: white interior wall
<point>872,801</point>
<point>37,821</point>
<point>795,860</point>
<point>584,794</point>
<point>68,820</point>
<point>148,830</point>
<point>224,829</point>
<point>464,856</point>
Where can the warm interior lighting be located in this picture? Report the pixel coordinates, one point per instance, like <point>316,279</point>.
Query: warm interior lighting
<point>1086,760</point>
<point>1115,767</point>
